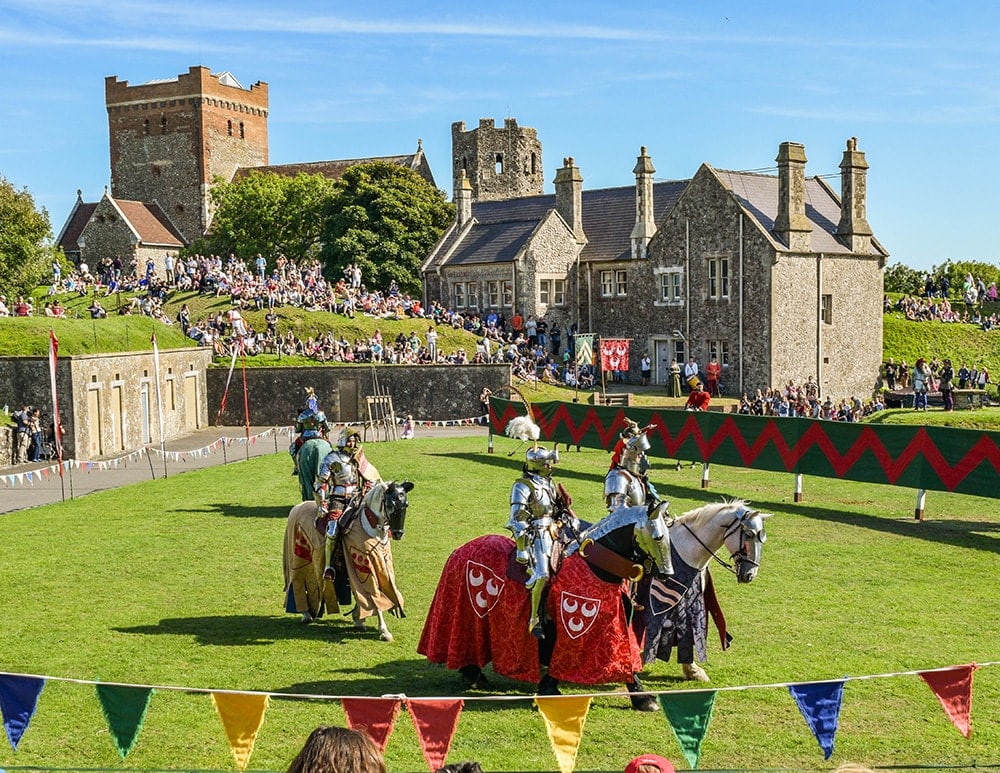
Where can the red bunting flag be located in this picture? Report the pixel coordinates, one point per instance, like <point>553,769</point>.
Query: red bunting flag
<point>953,687</point>
<point>614,354</point>
<point>376,717</point>
<point>435,722</point>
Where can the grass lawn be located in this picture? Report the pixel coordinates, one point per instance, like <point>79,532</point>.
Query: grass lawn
<point>178,582</point>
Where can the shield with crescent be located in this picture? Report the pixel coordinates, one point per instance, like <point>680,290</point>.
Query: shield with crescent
<point>484,587</point>
<point>577,613</point>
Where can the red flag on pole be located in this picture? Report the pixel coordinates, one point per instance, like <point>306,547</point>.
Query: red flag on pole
<point>614,354</point>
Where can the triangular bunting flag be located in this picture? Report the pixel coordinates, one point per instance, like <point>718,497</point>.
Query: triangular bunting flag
<point>954,689</point>
<point>820,703</point>
<point>564,720</point>
<point>435,722</point>
<point>125,710</point>
<point>242,714</point>
<point>689,715</point>
<point>376,716</point>
<point>18,700</point>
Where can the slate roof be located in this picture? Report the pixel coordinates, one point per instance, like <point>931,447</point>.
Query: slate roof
<point>758,194</point>
<point>501,228</point>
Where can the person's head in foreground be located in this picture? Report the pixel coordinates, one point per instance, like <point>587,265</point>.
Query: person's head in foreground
<point>650,763</point>
<point>338,750</point>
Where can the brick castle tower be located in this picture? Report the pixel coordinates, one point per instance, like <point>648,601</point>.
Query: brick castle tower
<point>499,163</point>
<point>171,138</point>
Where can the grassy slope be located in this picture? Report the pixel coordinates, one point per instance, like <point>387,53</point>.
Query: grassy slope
<point>185,589</point>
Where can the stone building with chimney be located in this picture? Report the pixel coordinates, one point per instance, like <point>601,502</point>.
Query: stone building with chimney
<point>777,276</point>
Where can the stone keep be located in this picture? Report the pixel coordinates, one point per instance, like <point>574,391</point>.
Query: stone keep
<point>499,163</point>
<point>170,139</point>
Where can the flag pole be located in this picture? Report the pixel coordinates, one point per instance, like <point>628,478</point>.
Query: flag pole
<point>246,398</point>
<point>159,400</point>
<point>56,424</point>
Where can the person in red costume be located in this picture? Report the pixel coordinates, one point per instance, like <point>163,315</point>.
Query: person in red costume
<point>699,399</point>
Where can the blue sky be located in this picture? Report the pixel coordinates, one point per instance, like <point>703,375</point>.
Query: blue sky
<point>917,83</point>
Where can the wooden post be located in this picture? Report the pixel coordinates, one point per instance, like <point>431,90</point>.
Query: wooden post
<point>918,513</point>
<point>798,487</point>
<point>489,446</point>
<point>704,475</point>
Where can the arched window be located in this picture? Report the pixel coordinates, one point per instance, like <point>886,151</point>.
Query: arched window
<point>243,133</point>
<point>229,128</point>
<point>163,125</point>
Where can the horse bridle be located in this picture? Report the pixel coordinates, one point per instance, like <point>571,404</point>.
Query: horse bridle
<point>748,535</point>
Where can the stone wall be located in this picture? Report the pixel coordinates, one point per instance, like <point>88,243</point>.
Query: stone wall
<point>108,402</point>
<point>477,151</point>
<point>428,392</point>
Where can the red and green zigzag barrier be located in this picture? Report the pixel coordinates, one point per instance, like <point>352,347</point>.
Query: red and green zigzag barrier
<point>932,458</point>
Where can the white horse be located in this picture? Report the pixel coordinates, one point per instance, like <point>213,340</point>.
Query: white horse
<point>364,547</point>
<point>676,606</point>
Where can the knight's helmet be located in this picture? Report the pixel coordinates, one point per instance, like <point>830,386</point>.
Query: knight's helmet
<point>634,457</point>
<point>540,461</point>
<point>346,434</point>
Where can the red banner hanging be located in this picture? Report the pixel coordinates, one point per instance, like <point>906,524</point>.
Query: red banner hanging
<point>614,354</point>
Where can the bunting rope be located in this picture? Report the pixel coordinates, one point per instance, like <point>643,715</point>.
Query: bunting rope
<point>472,698</point>
<point>688,712</point>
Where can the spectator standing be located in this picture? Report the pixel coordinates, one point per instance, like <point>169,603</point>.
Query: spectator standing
<point>432,343</point>
<point>555,338</point>
<point>712,373</point>
<point>22,434</point>
<point>946,374</point>
<point>921,384</point>
<point>35,429</point>
<point>646,368</point>
<point>261,264</point>
<point>890,374</point>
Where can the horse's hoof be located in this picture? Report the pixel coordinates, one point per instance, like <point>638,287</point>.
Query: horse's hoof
<point>549,685</point>
<point>645,703</point>
<point>538,632</point>
<point>694,673</point>
<point>329,574</point>
<point>306,618</point>
<point>359,625</point>
<point>385,635</point>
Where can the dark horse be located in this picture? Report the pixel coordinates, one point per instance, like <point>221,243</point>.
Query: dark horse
<point>365,556</point>
<point>480,610</point>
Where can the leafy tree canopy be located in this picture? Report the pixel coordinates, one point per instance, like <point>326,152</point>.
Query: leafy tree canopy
<point>26,252</point>
<point>267,214</point>
<point>384,218</point>
<point>900,278</point>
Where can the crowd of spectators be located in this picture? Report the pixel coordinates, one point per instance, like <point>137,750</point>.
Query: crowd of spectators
<point>803,400</point>
<point>935,303</point>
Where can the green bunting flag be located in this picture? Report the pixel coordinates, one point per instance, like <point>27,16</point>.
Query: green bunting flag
<point>689,715</point>
<point>125,710</point>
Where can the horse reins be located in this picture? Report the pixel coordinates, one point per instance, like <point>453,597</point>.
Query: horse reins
<point>740,555</point>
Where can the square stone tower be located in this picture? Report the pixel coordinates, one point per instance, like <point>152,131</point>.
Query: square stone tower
<point>171,138</point>
<point>499,163</point>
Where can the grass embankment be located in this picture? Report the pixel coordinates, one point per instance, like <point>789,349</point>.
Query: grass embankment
<point>185,590</point>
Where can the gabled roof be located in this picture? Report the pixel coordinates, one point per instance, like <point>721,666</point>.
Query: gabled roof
<point>501,228</point>
<point>73,227</point>
<point>149,223</point>
<point>758,195</point>
<point>335,169</point>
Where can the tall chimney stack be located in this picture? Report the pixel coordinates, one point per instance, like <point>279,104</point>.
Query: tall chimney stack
<point>645,226</point>
<point>463,199</point>
<point>854,228</point>
<point>791,223</point>
<point>569,197</point>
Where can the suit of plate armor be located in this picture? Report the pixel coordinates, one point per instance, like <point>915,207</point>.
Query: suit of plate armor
<point>536,517</point>
<point>626,483</point>
<point>338,484</point>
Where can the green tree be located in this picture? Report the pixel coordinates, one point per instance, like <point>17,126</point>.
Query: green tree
<point>900,278</point>
<point>26,250</point>
<point>267,214</point>
<point>384,218</point>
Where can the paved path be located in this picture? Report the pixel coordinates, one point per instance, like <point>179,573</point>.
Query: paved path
<point>204,448</point>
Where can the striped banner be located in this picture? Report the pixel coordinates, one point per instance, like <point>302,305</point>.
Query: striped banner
<point>584,348</point>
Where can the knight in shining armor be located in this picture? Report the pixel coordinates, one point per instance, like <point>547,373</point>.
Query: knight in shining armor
<point>310,423</point>
<point>537,516</point>
<point>344,476</point>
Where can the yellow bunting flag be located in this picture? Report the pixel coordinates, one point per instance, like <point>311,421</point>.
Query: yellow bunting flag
<point>242,714</point>
<point>564,718</point>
